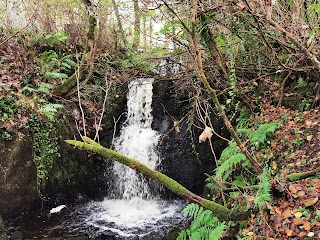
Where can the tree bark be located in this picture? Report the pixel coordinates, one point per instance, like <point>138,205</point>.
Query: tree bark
<point>137,28</point>
<point>122,33</point>
<point>211,44</point>
<point>220,211</point>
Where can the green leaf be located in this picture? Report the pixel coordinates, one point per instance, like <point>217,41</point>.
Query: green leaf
<point>260,135</point>
<point>230,162</point>
<point>56,75</point>
<point>49,110</point>
<point>45,87</point>
<point>264,193</point>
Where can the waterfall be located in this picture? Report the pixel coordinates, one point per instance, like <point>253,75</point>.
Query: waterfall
<point>138,141</point>
<point>131,210</point>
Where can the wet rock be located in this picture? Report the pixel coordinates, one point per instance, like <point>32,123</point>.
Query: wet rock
<point>179,160</point>
<point>55,229</point>
<point>2,237</point>
<point>17,236</point>
<point>18,175</point>
<point>78,238</point>
<point>1,225</point>
<point>173,234</point>
<point>183,158</point>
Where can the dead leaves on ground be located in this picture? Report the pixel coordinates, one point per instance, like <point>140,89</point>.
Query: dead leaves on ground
<point>295,147</point>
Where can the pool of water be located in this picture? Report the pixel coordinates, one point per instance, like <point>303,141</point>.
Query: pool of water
<point>107,219</point>
<point>126,219</point>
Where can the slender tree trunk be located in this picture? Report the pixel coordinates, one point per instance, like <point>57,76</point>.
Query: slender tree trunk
<point>211,44</point>
<point>144,19</point>
<point>220,211</point>
<point>212,92</point>
<point>137,28</point>
<point>122,33</point>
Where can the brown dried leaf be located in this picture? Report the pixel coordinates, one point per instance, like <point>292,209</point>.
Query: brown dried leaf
<point>292,189</point>
<point>308,123</point>
<point>309,137</point>
<point>307,226</point>
<point>206,134</point>
<point>289,232</point>
<point>297,214</point>
<point>301,194</point>
<point>310,201</point>
<point>287,213</point>
<point>298,222</point>
<point>302,234</point>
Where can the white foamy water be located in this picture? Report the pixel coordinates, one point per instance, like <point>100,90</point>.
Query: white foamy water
<point>132,210</point>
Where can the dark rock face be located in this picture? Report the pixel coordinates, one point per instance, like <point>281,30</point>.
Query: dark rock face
<point>18,175</point>
<point>73,177</point>
<point>183,158</point>
<point>76,175</point>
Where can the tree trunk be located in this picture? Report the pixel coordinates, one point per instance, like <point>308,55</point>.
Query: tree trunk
<point>137,30</point>
<point>122,33</point>
<point>220,211</point>
<point>213,95</point>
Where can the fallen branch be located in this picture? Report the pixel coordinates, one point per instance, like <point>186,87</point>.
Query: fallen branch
<point>298,176</point>
<point>220,211</point>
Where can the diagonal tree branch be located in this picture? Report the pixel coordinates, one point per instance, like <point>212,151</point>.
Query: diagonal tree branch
<point>220,211</point>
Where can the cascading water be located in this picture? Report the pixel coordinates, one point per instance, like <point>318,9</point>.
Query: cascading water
<point>137,140</point>
<point>131,210</point>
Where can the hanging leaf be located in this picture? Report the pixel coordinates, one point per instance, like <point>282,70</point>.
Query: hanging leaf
<point>206,134</point>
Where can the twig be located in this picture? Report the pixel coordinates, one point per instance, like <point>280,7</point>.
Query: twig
<point>103,110</point>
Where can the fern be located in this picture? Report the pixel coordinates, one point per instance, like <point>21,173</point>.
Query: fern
<point>204,226</point>
<point>264,193</point>
<point>230,157</point>
<point>259,136</point>
<point>230,162</point>
<point>49,110</point>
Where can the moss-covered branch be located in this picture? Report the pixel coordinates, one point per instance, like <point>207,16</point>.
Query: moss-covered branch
<point>298,176</point>
<point>220,211</point>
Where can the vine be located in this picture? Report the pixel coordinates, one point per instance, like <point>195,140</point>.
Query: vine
<point>45,148</point>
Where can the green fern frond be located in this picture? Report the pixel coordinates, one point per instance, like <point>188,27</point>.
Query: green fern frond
<point>49,110</point>
<point>264,194</point>
<point>229,163</point>
<point>260,135</point>
<point>212,186</point>
<point>217,232</point>
<point>204,225</point>
<point>246,132</point>
<point>229,151</point>
<point>192,210</point>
